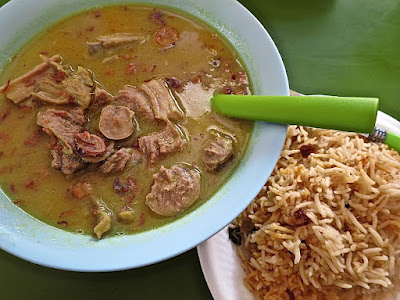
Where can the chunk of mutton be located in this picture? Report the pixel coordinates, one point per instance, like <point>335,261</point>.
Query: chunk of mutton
<point>116,122</point>
<point>217,153</point>
<point>162,102</point>
<point>153,100</point>
<point>174,190</point>
<point>160,144</point>
<point>137,101</point>
<point>118,161</point>
<point>75,145</point>
<point>66,163</point>
<point>79,87</point>
<point>101,98</point>
<point>22,88</point>
<point>107,42</point>
<point>50,82</point>
<point>63,125</point>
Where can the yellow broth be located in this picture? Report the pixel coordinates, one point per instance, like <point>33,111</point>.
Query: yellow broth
<point>201,60</point>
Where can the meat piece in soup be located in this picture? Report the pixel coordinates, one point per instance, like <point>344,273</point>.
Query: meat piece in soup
<point>152,101</point>
<point>108,130</point>
<point>173,190</point>
<point>107,42</point>
<point>118,161</point>
<point>21,88</point>
<point>137,101</point>
<point>217,153</point>
<point>161,144</point>
<point>63,125</point>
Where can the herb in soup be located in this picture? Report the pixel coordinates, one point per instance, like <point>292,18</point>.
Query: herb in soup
<point>106,126</point>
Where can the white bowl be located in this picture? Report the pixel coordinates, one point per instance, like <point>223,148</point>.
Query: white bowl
<point>32,240</point>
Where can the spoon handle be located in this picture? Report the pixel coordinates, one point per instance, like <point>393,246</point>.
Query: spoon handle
<point>393,141</point>
<point>356,114</point>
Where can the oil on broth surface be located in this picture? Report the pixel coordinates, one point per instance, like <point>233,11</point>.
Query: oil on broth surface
<point>200,60</point>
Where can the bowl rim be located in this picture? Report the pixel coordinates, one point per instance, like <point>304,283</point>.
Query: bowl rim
<point>37,242</point>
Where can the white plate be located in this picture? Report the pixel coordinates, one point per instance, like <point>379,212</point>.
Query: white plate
<point>222,266</point>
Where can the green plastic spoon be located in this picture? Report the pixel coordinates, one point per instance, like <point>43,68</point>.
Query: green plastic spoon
<point>357,114</point>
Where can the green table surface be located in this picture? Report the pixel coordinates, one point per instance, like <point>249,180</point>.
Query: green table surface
<point>337,47</point>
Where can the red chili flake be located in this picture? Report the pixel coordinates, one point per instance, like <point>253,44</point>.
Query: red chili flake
<point>233,76</point>
<point>125,56</point>
<point>208,46</point>
<point>44,52</point>
<point>306,150</point>
<point>1,153</point>
<point>160,22</point>
<point>90,28</point>
<point>131,68</point>
<point>33,139</point>
<point>4,136</point>
<point>365,160</point>
<point>153,68</point>
<point>30,184</point>
<point>5,170</point>
<point>197,79</point>
<point>64,223</point>
<point>12,188</point>
<point>66,213</point>
<point>5,114</point>
<point>110,72</point>
<point>142,219</point>
<point>17,202</point>
<point>97,14</point>
<point>26,108</point>
<point>5,88</point>
<point>80,190</point>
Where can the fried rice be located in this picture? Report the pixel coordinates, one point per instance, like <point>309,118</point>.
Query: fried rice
<point>326,225</point>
